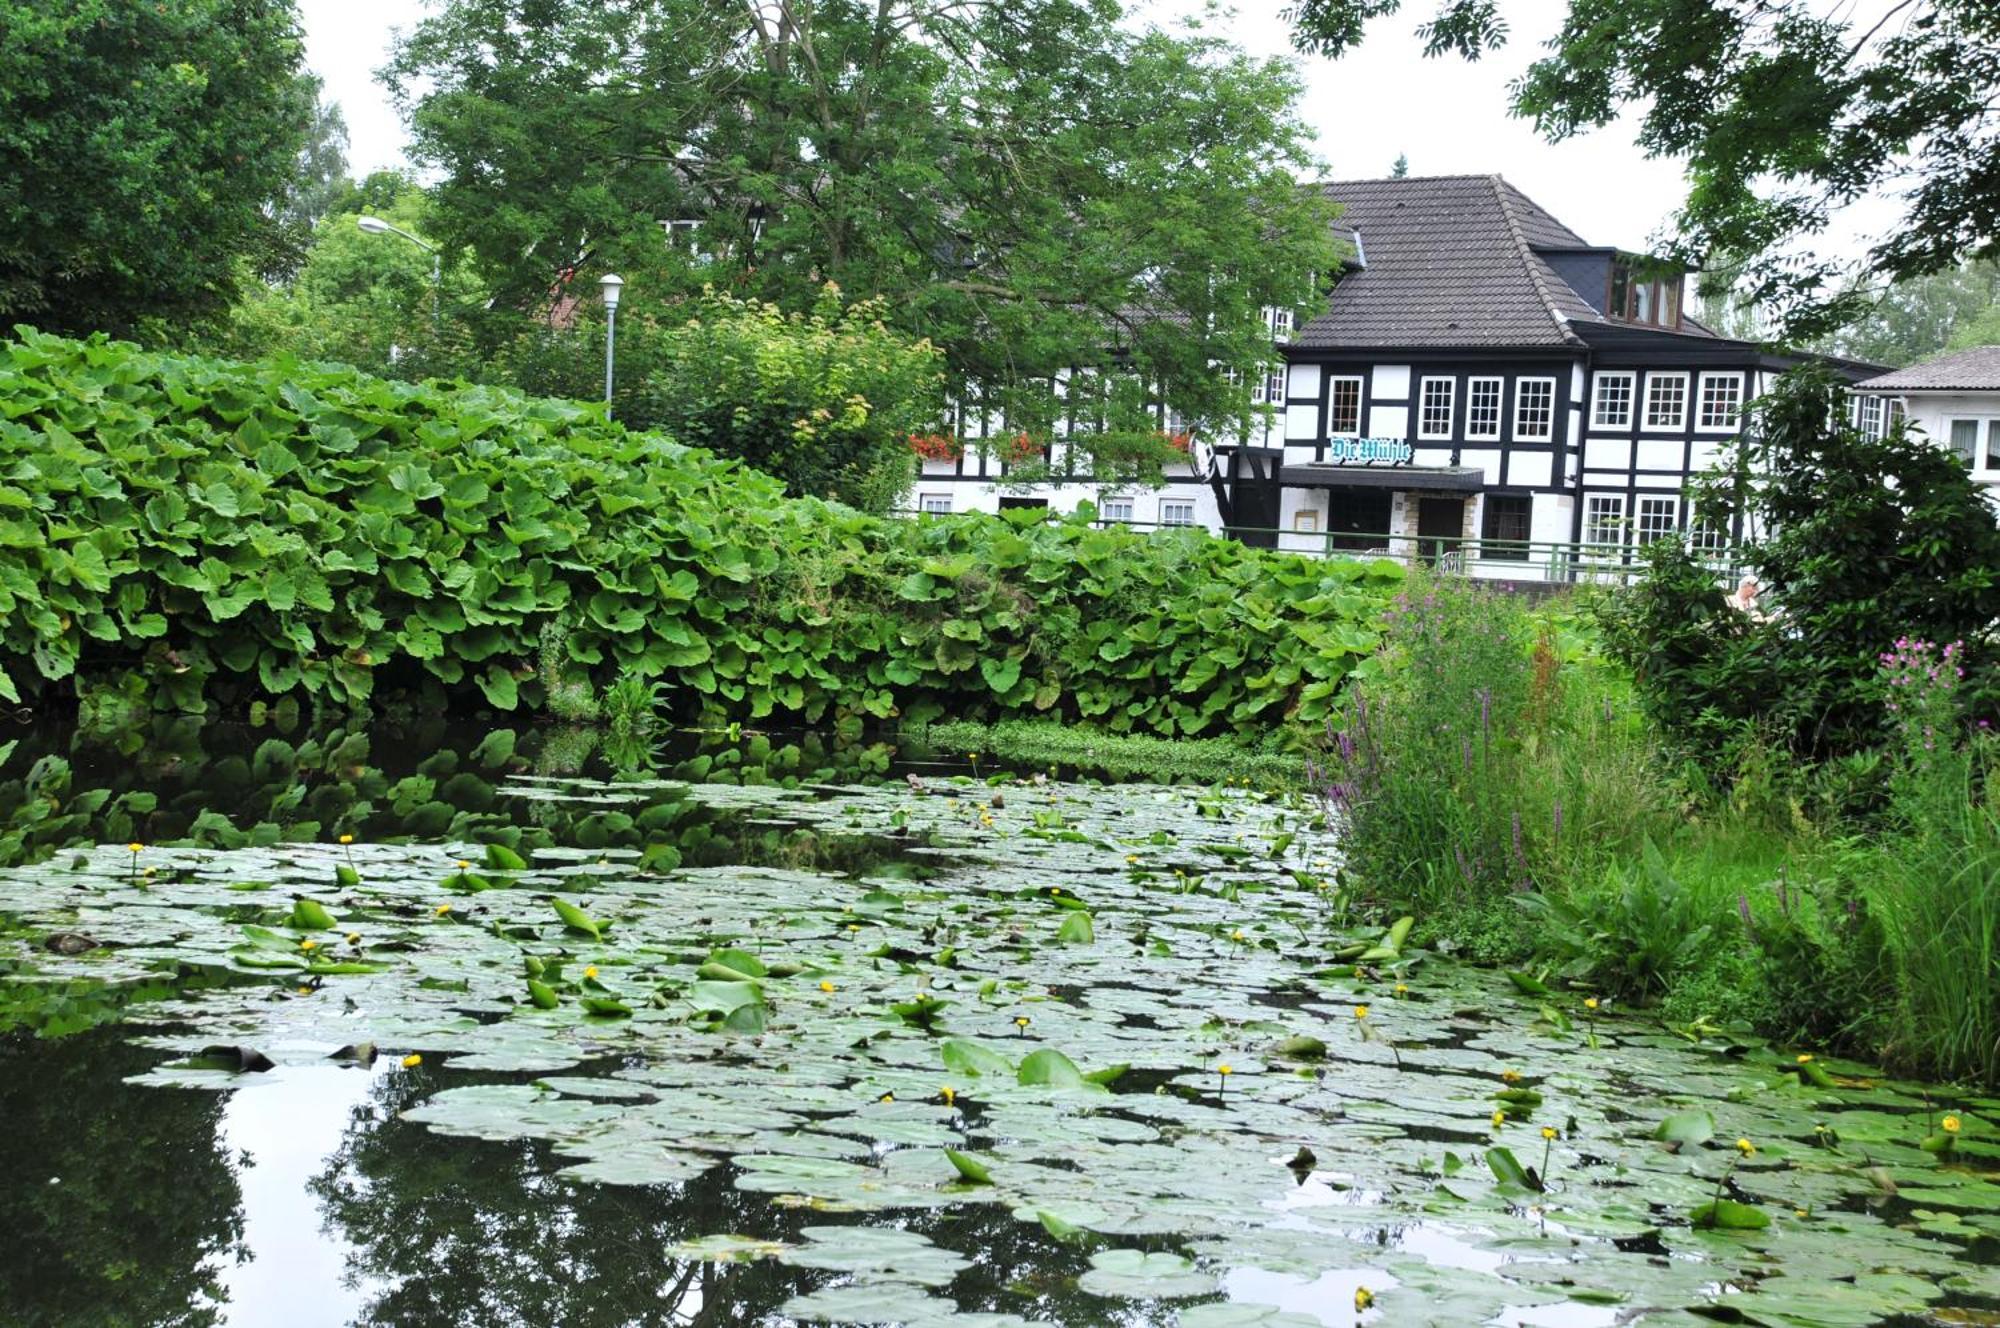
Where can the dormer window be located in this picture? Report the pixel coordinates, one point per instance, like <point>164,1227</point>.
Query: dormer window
<point>1644,292</point>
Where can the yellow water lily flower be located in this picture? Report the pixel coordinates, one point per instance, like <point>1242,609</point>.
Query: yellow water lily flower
<point>412,1061</point>
<point>887,1097</point>
<point>1224,1070</point>
<point>1949,1125</point>
<point>826,986</point>
<point>354,938</point>
<point>1402,989</point>
<point>1805,1058</point>
<point>1548,1132</point>
<point>347,839</point>
<point>463,865</point>
<point>590,970</point>
<point>1499,1119</point>
<point>443,909</point>
<point>1745,1147</point>
<point>1360,1012</point>
<point>1590,1002</point>
<point>949,1094</point>
<point>135,846</point>
<point>1510,1076</point>
<point>1363,1298</point>
<point>308,945</point>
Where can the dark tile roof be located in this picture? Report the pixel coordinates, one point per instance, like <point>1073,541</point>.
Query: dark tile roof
<point>1975,370</point>
<point>1452,261</point>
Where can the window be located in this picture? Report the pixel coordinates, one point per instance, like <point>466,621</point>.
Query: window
<point>1117,509</point>
<point>1534,409</point>
<point>1434,415</point>
<point>1658,518</point>
<point>1708,532</point>
<point>1280,323</point>
<point>1870,420</point>
<point>1721,401</point>
<point>1274,386</point>
<point>1643,292</point>
<point>1613,407</point>
<point>1666,400</point>
<point>937,504</point>
<point>1897,412</point>
<point>1176,514</point>
<point>1967,437</point>
<point>1343,406</point>
<point>1482,407</point>
<point>1604,519</point>
<point>1504,526</point>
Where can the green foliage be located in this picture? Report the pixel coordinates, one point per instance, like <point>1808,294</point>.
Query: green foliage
<point>1867,540</point>
<point>241,533</point>
<point>1785,110</point>
<point>139,147</point>
<point>1631,937</point>
<point>1483,753</point>
<point>1033,188</point>
<point>1915,319</point>
<point>1040,744</point>
<point>825,401</point>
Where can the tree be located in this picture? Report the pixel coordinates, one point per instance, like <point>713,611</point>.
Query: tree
<point>1915,319</point>
<point>1784,113</point>
<point>319,183</point>
<point>1401,168</point>
<point>140,149</point>
<point>1032,187</point>
<point>1870,540</point>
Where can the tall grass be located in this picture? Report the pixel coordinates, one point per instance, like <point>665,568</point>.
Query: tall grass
<point>1932,885</point>
<point>1484,754</point>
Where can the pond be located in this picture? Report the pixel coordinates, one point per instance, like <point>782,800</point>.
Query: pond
<point>765,1033</point>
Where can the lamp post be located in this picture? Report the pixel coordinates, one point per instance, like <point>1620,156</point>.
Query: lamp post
<point>377,226</point>
<point>610,284</point>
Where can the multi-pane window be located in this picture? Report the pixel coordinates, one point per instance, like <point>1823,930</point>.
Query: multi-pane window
<point>1897,412</point>
<point>1176,514</point>
<point>1604,518</point>
<point>1482,407</point>
<point>1666,400</point>
<point>1721,401</point>
<point>1343,406</point>
<point>937,504</point>
<point>1707,532</point>
<point>1658,518</point>
<point>1280,323</point>
<point>1274,386</point>
<point>1534,409</point>
<point>1504,526</point>
<point>1434,408</point>
<point>1870,416</point>
<point>1612,408</point>
<point>1117,509</point>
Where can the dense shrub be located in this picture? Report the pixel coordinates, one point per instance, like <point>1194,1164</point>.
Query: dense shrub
<point>195,531</point>
<point>1863,540</point>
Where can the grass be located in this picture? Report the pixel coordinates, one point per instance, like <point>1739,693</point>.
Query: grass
<point>1041,744</point>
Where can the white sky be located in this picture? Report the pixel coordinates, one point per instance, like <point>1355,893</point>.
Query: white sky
<point>1448,116</point>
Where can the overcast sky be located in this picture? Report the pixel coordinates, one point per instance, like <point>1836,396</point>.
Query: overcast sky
<point>1386,99</point>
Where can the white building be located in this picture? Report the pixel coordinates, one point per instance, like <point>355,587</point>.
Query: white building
<point>1953,399</point>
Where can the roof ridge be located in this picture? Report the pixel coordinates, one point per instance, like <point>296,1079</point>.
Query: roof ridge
<point>1527,257</point>
<point>1409,179</point>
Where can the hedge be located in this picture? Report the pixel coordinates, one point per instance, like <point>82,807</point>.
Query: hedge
<point>206,533</point>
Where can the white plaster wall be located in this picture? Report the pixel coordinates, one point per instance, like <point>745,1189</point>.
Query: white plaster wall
<point>1486,458</point>
<point>1387,422</point>
<point>1392,382</point>
<point>1303,381</point>
<point>1530,468</point>
<point>1302,421</point>
<point>1607,454</point>
<point>1660,454</point>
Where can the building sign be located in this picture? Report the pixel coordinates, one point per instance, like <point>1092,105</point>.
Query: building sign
<point>1392,450</point>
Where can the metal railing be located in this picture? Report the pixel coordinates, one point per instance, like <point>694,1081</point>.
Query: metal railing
<point>1551,561</point>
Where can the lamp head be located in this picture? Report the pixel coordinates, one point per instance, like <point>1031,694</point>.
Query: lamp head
<point>610,284</point>
<point>373,225</point>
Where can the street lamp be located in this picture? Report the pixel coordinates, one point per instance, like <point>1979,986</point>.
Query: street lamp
<point>377,226</point>
<point>610,284</point>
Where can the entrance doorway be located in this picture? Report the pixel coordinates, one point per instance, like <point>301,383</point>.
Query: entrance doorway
<point>1440,527</point>
<point>1357,519</point>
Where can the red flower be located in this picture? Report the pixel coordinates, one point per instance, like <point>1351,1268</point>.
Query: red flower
<point>936,446</point>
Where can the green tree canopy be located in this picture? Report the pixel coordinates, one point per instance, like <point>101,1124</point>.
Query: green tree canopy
<point>142,148</point>
<point>1784,109</point>
<point>1915,319</point>
<point>1030,186</point>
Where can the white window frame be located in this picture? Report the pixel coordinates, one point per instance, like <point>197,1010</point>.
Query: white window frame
<point>1706,536</point>
<point>1630,379</point>
<point>1593,504</point>
<point>1869,415</point>
<point>1702,421</point>
<point>926,503</point>
<point>1174,512</point>
<point>1521,435</point>
<point>1654,380</point>
<point>1642,533</point>
<point>1472,387</point>
<point>1117,509</point>
<point>1450,386</point>
<point>1333,386</point>
<point>1984,443</point>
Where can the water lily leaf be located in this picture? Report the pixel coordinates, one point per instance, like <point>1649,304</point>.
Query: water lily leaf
<point>1049,1066</point>
<point>1232,1314</point>
<point>608,1006</point>
<point>501,858</point>
<point>971,1168</point>
<point>1301,1048</point>
<point>576,920</point>
<point>309,915</point>
<point>1685,1129</point>
<point>1507,1169</point>
<point>543,995</point>
<point>1527,985</point>
<point>972,1058</point>
<point>1729,1215</point>
<point>1138,1275</point>
<point>1076,929</point>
